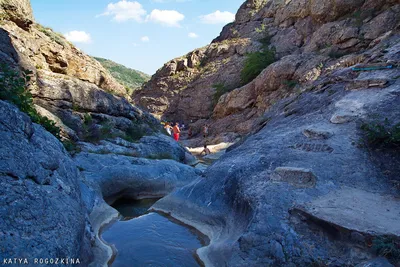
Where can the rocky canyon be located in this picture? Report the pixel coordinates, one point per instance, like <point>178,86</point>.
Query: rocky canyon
<point>307,93</point>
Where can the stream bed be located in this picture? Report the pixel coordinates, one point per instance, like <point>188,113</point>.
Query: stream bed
<point>151,239</point>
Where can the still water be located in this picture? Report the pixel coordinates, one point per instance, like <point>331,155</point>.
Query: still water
<point>151,239</point>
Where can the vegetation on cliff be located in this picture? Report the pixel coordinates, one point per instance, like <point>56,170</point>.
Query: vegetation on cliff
<point>13,88</point>
<point>130,78</point>
<point>256,62</point>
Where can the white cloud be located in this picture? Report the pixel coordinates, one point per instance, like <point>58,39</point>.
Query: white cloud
<point>168,1</point>
<point>218,17</point>
<point>193,35</point>
<point>78,37</point>
<point>169,18</point>
<point>125,10</point>
<point>145,39</point>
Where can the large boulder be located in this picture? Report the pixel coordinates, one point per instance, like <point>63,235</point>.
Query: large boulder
<point>123,176</point>
<point>43,215</point>
<point>152,147</point>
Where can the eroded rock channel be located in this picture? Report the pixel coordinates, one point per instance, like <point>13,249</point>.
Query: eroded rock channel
<point>143,238</point>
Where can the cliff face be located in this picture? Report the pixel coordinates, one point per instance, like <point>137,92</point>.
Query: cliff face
<point>307,39</point>
<point>55,209</point>
<point>313,184</point>
<point>66,84</point>
<point>19,11</point>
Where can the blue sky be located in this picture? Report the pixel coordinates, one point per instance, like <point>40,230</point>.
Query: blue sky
<point>141,34</point>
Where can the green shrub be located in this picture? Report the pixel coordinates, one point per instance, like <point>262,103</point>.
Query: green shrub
<point>255,63</point>
<point>13,88</point>
<point>134,133</point>
<point>290,83</point>
<point>387,247</point>
<point>382,133</point>
<point>54,36</point>
<point>71,146</point>
<point>93,132</point>
<point>220,89</point>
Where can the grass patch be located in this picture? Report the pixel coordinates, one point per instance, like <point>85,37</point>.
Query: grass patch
<point>382,133</point>
<point>14,89</point>
<point>54,36</point>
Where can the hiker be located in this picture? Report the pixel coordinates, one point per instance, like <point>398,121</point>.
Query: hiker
<point>168,128</point>
<point>206,151</point>
<point>205,130</point>
<point>176,131</point>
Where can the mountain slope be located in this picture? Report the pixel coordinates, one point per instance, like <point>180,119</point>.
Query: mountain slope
<point>130,78</point>
<point>304,37</point>
<point>316,180</point>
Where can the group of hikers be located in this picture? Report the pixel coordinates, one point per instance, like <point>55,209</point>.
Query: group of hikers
<point>175,131</point>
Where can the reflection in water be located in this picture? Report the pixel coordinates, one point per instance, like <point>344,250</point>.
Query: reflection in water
<point>151,240</point>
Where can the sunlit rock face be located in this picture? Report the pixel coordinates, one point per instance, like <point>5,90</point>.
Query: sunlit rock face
<point>307,36</point>
<point>66,84</point>
<point>19,11</point>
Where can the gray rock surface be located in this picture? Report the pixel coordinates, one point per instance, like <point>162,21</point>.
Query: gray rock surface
<point>123,176</point>
<point>152,147</point>
<point>249,216</point>
<point>310,39</point>
<point>357,210</point>
<point>42,213</point>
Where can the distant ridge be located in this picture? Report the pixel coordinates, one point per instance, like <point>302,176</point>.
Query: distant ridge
<point>130,78</point>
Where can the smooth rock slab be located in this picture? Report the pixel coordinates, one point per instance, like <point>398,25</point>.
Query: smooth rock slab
<point>297,177</point>
<point>358,210</point>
